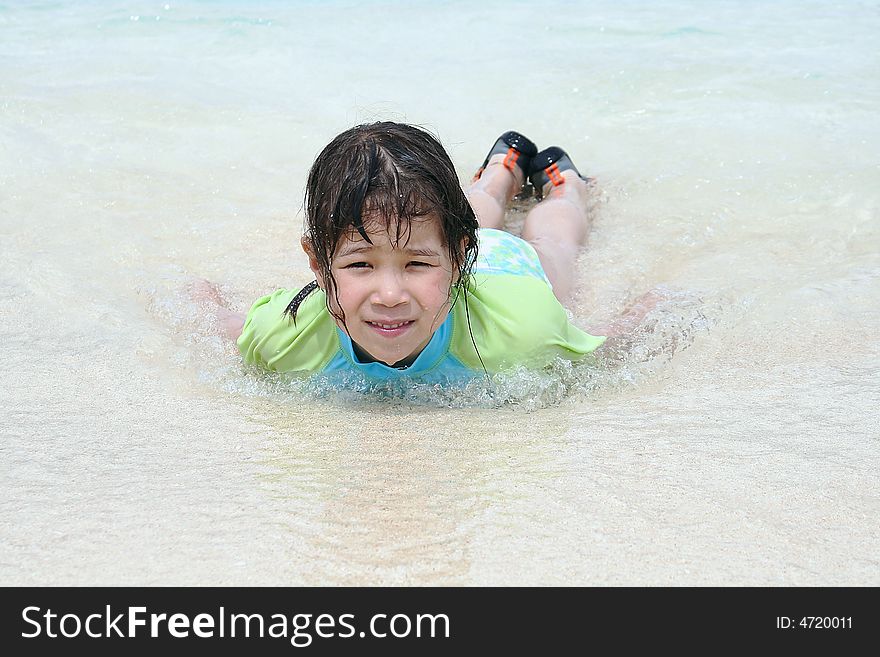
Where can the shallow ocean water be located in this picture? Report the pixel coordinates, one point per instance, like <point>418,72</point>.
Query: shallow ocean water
<point>144,145</point>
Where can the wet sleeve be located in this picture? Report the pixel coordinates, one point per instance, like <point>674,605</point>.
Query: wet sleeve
<point>516,320</point>
<point>272,339</point>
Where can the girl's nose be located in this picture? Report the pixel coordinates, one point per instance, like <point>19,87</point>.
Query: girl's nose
<point>390,290</point>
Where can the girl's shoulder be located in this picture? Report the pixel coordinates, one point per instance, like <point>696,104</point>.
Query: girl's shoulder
<point>514,320</point>
<point>282,341</point>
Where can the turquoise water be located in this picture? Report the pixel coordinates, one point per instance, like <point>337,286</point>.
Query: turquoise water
<point>144,145</point>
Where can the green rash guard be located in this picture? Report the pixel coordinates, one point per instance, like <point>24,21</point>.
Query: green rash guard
<point>515,319</point>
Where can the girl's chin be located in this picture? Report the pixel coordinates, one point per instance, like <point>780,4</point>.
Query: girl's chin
<point>396,358</point>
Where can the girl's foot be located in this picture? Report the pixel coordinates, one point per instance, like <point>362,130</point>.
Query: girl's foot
<point>547,169</point>
<point>514,152</point>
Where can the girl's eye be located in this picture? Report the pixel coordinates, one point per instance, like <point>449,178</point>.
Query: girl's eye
<point>416,263</point>
<point>356,265</point>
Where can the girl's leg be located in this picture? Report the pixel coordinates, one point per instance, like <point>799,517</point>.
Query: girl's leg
<point>557,227</point>
<point>495,188</point>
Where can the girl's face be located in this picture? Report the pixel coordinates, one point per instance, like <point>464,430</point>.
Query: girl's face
<point>393,296</point>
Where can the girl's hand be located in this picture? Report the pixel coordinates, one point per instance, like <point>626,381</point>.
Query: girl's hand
<point>635,313</point>
<point>203,290</point>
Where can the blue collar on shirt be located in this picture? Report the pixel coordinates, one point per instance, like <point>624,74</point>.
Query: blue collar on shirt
<point>430,357</point>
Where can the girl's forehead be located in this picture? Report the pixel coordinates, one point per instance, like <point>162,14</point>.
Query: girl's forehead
<point>421,230</point>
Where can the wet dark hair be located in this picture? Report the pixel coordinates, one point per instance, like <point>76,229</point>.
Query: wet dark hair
<point>394,174</point>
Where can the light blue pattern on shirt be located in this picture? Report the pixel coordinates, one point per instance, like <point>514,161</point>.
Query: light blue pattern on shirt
<point>503,253</point>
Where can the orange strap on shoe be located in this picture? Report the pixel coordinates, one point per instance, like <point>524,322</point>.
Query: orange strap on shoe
<point>510,159</point>
<point>554,174</point>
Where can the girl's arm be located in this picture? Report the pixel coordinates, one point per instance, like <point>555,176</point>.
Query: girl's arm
<point>625,326</point>
<point>229,321</point>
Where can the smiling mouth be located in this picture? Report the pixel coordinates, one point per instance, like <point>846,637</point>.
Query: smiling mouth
<point>391,329</point>
<point>391,326</point>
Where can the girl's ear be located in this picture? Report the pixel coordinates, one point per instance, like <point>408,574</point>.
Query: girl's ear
<point>313,261</point>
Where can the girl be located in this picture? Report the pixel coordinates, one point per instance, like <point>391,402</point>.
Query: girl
<point>415,278</point>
